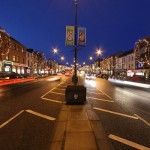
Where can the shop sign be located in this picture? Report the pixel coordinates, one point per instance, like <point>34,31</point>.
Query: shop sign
<point>7,62</point>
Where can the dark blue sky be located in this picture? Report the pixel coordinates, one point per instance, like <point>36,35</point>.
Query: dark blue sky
<point>112,25</point>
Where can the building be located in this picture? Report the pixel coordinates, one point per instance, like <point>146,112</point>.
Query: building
<point>142,57</point>
<point>125,64</point>
<point>29,62</point>
<point>12,55</point>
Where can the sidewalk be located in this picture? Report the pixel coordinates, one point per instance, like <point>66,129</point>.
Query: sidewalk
<point>78,128</point>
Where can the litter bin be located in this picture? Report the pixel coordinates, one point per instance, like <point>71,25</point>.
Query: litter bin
<point>75,95</point>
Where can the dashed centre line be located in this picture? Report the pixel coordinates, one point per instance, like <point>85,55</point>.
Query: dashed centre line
<point>127,142</point>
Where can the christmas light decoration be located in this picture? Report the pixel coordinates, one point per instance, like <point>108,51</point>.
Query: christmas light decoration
<point>5,43</point>
<point>142,52</point>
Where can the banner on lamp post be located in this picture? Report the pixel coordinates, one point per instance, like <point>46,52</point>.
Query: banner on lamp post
<point>70,34</point>
<point>81,36</point>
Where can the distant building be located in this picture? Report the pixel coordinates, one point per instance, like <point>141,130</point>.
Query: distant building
<point>125,64</point>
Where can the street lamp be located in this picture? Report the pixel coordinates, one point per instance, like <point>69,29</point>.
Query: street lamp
<point>62,58</point>
<point>99,52</point>
<point>55,50</point>
<point>90,58</point>
<point>75,94</point>
<point>75,78</point>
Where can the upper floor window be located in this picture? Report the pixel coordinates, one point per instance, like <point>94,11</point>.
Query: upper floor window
<point>7,57</point>
<point>14,58</point>
<point>17,58</point>
<point>22,60</point>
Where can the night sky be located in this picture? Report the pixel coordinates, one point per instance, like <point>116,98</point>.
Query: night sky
<point>112,25</point>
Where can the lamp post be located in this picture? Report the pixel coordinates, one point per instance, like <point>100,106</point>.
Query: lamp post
<point>75,94</point>
<point>75,78</point>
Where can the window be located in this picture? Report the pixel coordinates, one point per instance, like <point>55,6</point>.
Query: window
<point>7,57</point>
<point>17,58</point>
<point>22,60</point>
<point>14,58</point>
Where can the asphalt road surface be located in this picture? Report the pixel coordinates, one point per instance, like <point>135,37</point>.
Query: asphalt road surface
<point>28,113</point>
<point>124,112</point>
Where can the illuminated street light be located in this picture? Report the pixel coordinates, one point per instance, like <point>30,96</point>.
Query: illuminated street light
<point>90,58</point>
<point>55,50</point>
<point>99,52</point>
<point>62,58</point>
<point>83,63</point>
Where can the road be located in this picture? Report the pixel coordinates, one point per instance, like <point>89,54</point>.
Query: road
<point>27,116</point>
<point>28,113</point>
<point>124,112</point>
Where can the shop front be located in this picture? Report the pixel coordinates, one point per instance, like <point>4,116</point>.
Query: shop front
<point>19,68</point>
<point>7,66</point>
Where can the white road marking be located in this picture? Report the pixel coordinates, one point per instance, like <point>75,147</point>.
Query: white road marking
<point>101,99</point>
<point>116,113</point>
<point>147,123</point>
<point>48,92</point>
<point>6,122</point>
<point>91,89</point>
<point>57,93</point>
<point>52,100</point>
<point>40,115</point>
<point>127,142</point>
<point>62,86</point>
<point>60,89</point>
<point>105,94</point>
<point>96,93</point>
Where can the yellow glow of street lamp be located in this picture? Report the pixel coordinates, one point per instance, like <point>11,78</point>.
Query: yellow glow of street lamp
<point>90,57</point>
<point>62,58</point>
<point>55,50</point>
<point>98,52</point>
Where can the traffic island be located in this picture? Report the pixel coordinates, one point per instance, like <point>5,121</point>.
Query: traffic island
<point>75,95</point>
